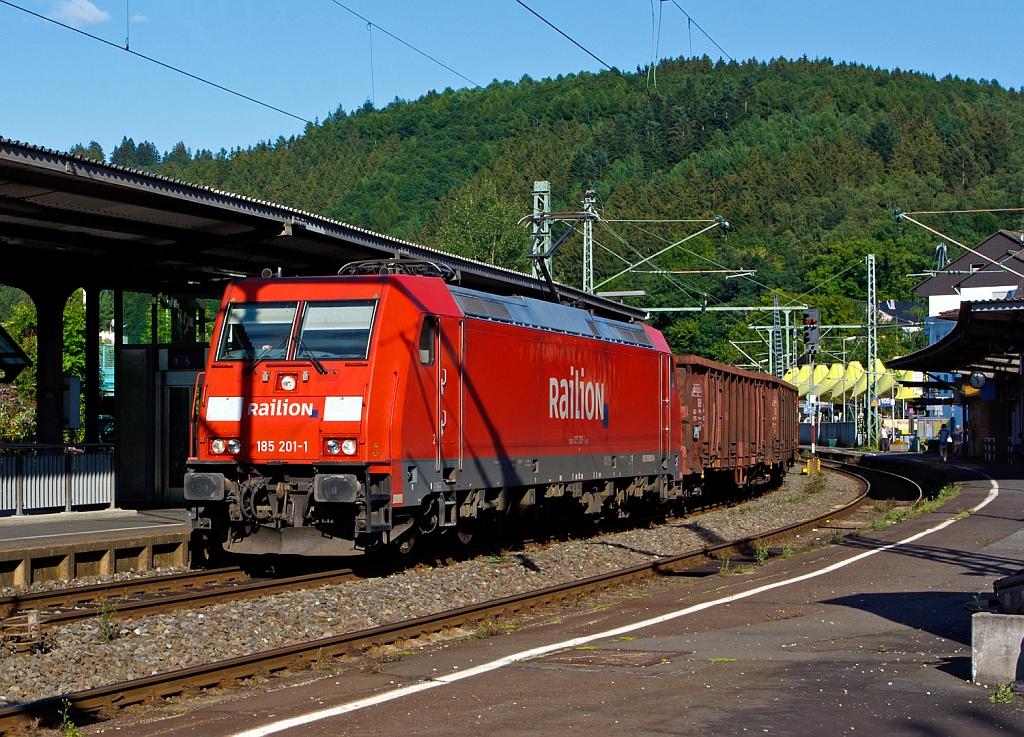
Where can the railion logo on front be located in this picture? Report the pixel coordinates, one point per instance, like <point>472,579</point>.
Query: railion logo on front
<point>575,398</point>
<point>282,408</point>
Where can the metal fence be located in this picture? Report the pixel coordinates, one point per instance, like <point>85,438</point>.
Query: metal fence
<point>40,477</point>
<point>843,433</point>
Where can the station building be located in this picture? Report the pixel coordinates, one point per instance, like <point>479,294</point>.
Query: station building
<point>968,278</point>
<point>982,353</point>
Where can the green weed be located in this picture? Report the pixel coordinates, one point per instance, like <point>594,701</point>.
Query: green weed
<point>838,538</point>
<point>105,620</point>
<point>788,551</point>
<point>485,630</point>
<point>1002,695</point>
<point>721,660</point>
<point>624,638</point>
<point>67,724</point>
<point>725,568</point>
<point>946,493</point>
<point>761,554</point>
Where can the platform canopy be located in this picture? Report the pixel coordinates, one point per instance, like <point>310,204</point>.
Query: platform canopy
<point>80,222</point>
<point>988,337</point>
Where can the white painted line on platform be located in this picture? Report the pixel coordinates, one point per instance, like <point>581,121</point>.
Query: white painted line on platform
<point>94,532</point>
<point>398,693</point>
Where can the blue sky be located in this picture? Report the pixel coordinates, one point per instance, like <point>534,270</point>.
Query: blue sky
<point>310,56</point>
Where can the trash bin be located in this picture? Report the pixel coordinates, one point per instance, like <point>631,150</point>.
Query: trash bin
<point>832,442</point>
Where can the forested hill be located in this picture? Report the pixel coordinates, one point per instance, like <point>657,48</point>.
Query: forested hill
<point>805,159</point>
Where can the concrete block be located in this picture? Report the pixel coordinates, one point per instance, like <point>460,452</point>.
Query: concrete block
<point>995,647</point>
<point>107,567</point>
<point>66,568</point>
<point>23,572</point>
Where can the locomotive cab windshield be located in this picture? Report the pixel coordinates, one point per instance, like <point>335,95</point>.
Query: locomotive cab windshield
<point>335,330</point>
<point>256,331</point>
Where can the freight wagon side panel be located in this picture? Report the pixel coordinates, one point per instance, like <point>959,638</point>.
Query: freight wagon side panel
<point>733,419</point>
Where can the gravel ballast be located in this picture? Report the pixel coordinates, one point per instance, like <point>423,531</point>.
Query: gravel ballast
<point>76,661</point>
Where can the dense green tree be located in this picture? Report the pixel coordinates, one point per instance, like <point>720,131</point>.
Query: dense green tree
<point>144,156</point>
<point>94,151</point>
<point>805,159</point>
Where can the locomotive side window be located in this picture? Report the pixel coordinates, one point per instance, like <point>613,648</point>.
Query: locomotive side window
<point>338,330</point>
<point>427,342</point>
<point>257,331</point>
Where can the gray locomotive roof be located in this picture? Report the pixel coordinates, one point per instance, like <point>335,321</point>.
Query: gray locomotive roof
<point>537,314</point>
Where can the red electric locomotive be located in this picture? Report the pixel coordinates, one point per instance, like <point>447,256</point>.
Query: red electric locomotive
<point>342,414</point>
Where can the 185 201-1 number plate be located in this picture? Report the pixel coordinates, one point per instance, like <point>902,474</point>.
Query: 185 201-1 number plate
<point>282,446</point>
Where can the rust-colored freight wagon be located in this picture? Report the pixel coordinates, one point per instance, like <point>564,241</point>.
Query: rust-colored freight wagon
<point>734,420</point>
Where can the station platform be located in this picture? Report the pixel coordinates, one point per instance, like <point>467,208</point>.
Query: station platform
<point>70,545</point>
<point>868,636</point>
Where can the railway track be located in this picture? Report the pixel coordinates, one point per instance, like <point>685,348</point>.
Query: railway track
<point>108,699</point>
<point>911,493</point>
<point>160,594</point>
<point>78,596</point>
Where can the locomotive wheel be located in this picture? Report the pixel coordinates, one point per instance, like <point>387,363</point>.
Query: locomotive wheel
<point>405,544</point>
<point>465,533</point>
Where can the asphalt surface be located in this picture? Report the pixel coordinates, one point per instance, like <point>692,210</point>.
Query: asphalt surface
<point>881,645</point>
<point>29,531</point>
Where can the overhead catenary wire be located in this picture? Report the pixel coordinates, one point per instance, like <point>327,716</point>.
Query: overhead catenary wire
<point>588,52</point>
<point>671,279</point>
<point>690,20</point>
<point>405,43</point>
<point>678,283</point>
<point>150,59</point>
<point>652,69</point>
<point>373,89</point>
<point>979,254</point>
<point>966,212</point>
<point>638,220</point>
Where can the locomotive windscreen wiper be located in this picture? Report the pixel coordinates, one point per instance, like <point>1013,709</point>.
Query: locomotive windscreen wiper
<point>301,347</point>
<point>265,353</point>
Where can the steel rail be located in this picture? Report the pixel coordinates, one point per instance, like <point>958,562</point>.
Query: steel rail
<point>848,468</point>
<point>219,594</point>
<point>74,596</point>
<point>106,700</point>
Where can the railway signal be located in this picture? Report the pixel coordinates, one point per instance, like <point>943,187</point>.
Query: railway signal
<point>812,334</point>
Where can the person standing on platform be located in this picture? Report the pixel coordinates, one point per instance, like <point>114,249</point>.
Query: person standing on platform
<point>944,442</point>
<point>883,439</point>
<point>958,442</point>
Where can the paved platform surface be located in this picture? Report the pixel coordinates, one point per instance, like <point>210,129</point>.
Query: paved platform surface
<point>877,646</point>
<point>71,527</point>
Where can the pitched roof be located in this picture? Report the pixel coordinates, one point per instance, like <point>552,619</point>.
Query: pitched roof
<point>998,246</point>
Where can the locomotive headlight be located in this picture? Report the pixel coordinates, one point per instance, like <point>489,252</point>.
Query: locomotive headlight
<point>348,447</point>
<point>333,447</point>
<point>218,445</point>
<point>288,382</point>
<point>234,446</point>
